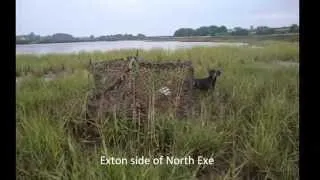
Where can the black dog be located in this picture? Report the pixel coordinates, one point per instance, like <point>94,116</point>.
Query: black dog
<point>207,83</point>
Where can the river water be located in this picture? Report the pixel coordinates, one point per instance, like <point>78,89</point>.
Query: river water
<point>111,45</point>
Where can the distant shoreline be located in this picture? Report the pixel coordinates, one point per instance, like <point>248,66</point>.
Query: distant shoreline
<point>285,37</point>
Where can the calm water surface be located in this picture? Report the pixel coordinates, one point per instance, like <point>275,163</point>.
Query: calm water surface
<point>110,45</point>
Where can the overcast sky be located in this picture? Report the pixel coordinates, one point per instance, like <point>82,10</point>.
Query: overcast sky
<point>150,17</point>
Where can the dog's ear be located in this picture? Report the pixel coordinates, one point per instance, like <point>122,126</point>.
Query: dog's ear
<point>218,72</point>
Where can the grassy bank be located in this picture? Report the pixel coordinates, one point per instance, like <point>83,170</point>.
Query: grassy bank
<point>249,124</point>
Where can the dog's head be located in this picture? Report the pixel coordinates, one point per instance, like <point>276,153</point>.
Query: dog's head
<point>214,73</point>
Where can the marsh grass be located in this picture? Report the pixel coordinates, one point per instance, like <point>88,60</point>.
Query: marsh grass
<point>249,124</point>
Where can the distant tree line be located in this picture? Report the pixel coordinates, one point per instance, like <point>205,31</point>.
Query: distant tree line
<point>201,31</point>
<point>182,32</point>
<point>118,37</point>
<point>237,31</point>
<point>63,37</point>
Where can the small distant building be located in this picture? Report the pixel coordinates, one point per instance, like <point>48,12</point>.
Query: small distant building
<point>21,37</point>
<point>282,30</point>
<point>221,34</point>
<point>230,30</point>
<point>85,38</point>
